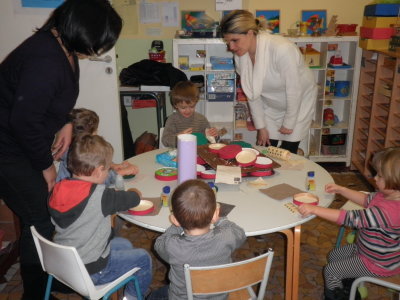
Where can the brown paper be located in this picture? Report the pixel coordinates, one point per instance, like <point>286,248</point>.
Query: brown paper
<point>281,191</point>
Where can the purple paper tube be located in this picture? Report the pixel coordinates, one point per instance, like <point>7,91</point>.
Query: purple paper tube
<point>187,157</point>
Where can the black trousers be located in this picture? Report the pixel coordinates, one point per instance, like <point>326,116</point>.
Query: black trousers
<point>24,190</point>
<point>291,146</point>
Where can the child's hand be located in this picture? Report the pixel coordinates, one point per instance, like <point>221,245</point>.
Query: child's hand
<point>332,188</point>
<point>186,131</point>
<point>307,210</point>
<point>125,168</point>
<point>211,131</point>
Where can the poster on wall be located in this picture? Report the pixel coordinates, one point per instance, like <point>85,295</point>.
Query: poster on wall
<point>271,18</point>
<point>228,4</point>
<point>316,20</point>
<point>41,3</point>
<point>193,19</point>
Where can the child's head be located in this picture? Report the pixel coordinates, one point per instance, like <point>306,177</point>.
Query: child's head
<point>84,121</point>
<point>89,152</point>
<point>387,165</point>
<point>193,204</point>
<point>184,97</point>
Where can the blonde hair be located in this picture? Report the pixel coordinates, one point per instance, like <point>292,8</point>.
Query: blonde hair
<point>387,164</point>
<point>184,91</point>
<point>84,121</point>
<point>240,22</point>
<point>88,152</point>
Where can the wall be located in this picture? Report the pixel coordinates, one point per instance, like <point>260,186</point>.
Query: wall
<point>135,42</point>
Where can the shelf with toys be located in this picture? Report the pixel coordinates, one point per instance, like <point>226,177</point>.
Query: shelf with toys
<point>335,62</point>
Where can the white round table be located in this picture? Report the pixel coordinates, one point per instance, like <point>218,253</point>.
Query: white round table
<point>254,211</point>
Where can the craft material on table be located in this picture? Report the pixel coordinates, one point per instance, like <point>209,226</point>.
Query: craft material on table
<point>187,157</point>
<point>258,183</point>
<point>281,191</point>
<point>145,207</point>
<point>228,174</point>
<point>225,209</point>
<point>157,204</point>
<point>305,198</point>
<point>166,174</point>
<point>276,152</point>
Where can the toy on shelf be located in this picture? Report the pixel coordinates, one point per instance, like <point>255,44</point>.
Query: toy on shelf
<point>329,117</point>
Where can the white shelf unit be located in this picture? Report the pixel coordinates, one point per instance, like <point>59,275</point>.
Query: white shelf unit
<point>344,107</point>
<point>219,113</point>
<point>222,113</point>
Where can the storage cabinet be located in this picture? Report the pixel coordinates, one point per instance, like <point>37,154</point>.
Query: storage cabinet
<point>332,129</point>
<point>377,124</point>
<point>330,136</point>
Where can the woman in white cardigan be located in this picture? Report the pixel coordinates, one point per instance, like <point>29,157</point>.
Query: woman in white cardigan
<point>280,87</point>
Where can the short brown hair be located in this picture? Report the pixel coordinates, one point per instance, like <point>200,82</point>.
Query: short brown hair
<point>88,152</point>
<point>193,204</point>
<point>84,121</point>
<point>387,163</point>
<point>240,21</point>
<point>184,91</point>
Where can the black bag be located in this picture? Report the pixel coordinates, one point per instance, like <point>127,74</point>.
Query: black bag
<point>149,72</point>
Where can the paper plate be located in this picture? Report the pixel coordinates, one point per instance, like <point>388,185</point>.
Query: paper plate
<point>246,158</point>
<point>200,169</point>
<point>253,150</point>
<point>145,207</point>
<point>214,148</point>
<point>263,162</point>
<point>305,198</point>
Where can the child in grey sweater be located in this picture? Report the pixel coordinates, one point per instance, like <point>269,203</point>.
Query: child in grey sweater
<point>190,240</point>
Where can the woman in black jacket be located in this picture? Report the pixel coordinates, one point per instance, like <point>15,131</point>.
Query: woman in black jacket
<point>39,85</point>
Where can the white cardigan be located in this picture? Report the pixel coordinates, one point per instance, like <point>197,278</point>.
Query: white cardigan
<point>280,88</point>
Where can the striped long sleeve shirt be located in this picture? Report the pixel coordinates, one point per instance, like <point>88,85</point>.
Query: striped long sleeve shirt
<point>378,235</point>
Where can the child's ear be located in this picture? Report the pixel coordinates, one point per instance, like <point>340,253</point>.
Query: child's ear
<point>216,215</point>
<point>174,220</point>
<point>97,172</point>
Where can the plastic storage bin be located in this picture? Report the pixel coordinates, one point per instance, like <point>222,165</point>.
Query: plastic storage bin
<point>384,9</point>
<point>333,150</point>
<point>376,33</point>
<point>378,22</point>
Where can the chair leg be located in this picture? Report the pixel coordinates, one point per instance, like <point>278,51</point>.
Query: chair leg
<point>122,284</point>
<point>48,287</point>
<point>340,236</point>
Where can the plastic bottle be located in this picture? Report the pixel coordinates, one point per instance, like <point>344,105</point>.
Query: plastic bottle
<point>119,183</point>
<point>165,195</point>
<point>213,187</point>
<point>310,183</point>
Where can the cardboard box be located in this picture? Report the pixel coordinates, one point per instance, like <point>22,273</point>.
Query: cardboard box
<point>312,57</point>
<point>383,9</point>
<point>371,44</point>
<point>376,33</point>
<point>378,22</point>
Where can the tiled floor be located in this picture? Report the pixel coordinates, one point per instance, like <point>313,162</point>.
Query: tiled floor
<point>317,238</point>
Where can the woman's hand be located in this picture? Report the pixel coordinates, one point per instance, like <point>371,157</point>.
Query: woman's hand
<point>62,142</point>
<point>263,137</point>
<point>285,130</point>
<point>50,175</point>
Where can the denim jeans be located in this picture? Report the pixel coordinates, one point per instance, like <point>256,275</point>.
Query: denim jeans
<point>124,257</point>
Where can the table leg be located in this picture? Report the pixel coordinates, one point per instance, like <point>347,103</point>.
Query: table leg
<point>289,263</point>
<point>296,262</point>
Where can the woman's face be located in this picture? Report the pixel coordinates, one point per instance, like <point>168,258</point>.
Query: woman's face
<point>240,43</point>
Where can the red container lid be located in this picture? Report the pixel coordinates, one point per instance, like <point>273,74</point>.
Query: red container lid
<point>200,161</point>
<point>208,174</point>
<point>262,173</point>
<point>302,198</point>
<point>200,169</point>
<point>145,207</point>
<point>215,148</point>
<point>263,162</point>
<point>166,174</point>
<point>229,151</point>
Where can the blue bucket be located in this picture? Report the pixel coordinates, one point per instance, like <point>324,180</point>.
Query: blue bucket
<point>342,88</point>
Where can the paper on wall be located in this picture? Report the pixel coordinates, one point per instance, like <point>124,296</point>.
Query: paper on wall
<point>228,4</point>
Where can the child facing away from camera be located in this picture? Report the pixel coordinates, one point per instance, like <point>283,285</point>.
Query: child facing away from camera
<point>86,121</point>
<point>184,97</point>
<point>190,239</point>
<point>81,209</point>
<point>376,250</point>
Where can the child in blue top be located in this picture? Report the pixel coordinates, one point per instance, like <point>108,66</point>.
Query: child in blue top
<point>86,121</point>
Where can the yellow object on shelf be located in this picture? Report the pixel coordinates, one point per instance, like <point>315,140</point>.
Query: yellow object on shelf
<point>378,22</point>
<point>371,44</point>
